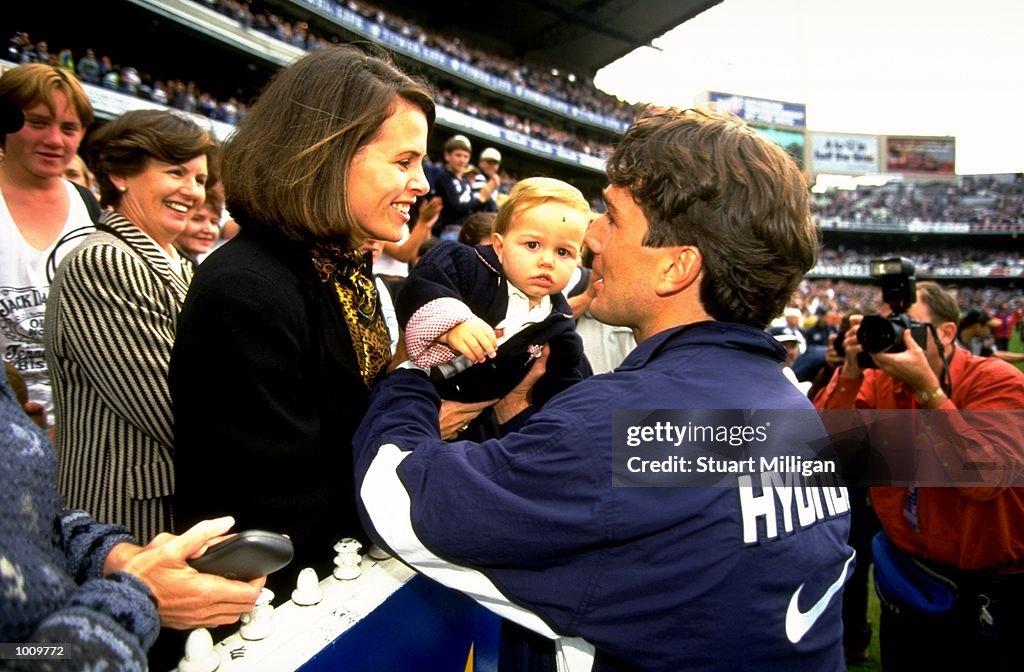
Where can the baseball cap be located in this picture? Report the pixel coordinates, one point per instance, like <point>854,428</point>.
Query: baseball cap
<point>977,316</point>
<point>490,154</point>
<point>784,334</point>
<point>458,142</point>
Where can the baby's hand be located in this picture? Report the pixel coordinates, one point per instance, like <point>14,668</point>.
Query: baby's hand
<point>473,338</point>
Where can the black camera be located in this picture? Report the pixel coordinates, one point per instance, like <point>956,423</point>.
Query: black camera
<point>885,334</point>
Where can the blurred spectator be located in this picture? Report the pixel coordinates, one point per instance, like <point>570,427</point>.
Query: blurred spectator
<point>42,53</point>
<point>203,228</point>
<point>111,77</point>
<point>79,173</point>
<point>88,68</point>
<point>19,47</point>
<point>66,60</point>
<point>477,228</point>
<point>487,171</point>
<point>455,189</point>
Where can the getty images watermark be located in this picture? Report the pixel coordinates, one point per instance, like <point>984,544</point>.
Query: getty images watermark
<point>730,447</point>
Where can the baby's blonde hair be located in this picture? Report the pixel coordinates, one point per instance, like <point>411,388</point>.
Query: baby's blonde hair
<point>534,191</point>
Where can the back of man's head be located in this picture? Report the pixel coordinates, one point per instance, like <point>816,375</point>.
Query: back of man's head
<point>706,179</point>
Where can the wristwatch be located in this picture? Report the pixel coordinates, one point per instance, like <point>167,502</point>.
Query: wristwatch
<point>926,397</point>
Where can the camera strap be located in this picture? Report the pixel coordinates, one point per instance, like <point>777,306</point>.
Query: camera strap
<point>944,380</point>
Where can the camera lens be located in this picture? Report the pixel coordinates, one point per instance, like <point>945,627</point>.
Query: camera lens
<point>877,334</point>
<point>837,344</point>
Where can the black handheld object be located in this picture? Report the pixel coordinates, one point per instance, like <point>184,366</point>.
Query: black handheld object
<point>11,116</point>
<point>885,334</point>
<point>246,556</point>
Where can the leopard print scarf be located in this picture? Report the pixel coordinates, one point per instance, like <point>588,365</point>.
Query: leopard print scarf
<point>349,271</point>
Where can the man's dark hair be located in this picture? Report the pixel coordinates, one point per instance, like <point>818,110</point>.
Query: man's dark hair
<point>706,179</point>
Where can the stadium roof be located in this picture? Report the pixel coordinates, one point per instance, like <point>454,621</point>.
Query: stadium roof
<point>579,35</point>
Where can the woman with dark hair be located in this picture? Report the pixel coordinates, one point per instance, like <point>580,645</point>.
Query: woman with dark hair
<point>331,154</point>
<point>111,318</point>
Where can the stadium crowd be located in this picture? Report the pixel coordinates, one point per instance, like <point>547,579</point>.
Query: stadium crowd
<point>186,95</point>
<point>972,200</point>
<point>928,258</point>
<point>838,297</point>
<point>567,87</point>
<point>976,200</point>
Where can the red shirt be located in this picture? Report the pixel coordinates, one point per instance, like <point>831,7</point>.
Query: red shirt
<point>1006,322</point>
<point>966,527</point>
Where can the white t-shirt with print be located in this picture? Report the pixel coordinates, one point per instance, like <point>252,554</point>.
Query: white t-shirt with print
<point>23,291</point>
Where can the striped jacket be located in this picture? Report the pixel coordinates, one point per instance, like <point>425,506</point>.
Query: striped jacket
<point>110,322</point>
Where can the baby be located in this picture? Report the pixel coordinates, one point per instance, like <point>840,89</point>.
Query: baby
<point>481,314</point>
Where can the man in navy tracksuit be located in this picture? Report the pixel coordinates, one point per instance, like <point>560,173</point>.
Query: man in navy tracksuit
<point>706,235</point>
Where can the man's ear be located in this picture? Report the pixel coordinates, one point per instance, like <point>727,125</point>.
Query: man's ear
<point>947,333</point>
<point>681,270</point>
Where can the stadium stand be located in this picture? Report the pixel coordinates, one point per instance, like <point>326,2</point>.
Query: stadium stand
<point>215,55</point>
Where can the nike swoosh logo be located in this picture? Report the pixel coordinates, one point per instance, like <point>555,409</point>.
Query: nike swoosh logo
<point>799,622</point>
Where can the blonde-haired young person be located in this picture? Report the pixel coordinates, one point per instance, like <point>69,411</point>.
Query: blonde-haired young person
<point>479,314</point>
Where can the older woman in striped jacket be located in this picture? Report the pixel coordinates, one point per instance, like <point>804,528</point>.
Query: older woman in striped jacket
<point>111,318</point>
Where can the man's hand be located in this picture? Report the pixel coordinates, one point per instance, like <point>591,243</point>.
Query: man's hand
<point>910,366</point>
<point>851,369</point>
<point>832,358</point>
<point>493,182</point>
<point>473,338</point>
<point>36,413</point>
<point>520,398</point>
<point>455,416</point>
<point>186,599</point>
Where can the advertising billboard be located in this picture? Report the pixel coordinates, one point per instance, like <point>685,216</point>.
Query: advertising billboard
<point>761,110</point>
<point>921,155</point>
<point>844,154</point>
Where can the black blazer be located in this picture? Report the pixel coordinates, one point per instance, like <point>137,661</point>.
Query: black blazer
<point>267,395</point>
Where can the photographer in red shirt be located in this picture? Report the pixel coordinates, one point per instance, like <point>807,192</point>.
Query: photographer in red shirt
<point>969,539</point>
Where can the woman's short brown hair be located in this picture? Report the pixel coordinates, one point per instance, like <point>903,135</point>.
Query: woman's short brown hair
<point>124,146</point>
<point>706,179</point>
<point>286,167</point>
<point>28,85</point>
